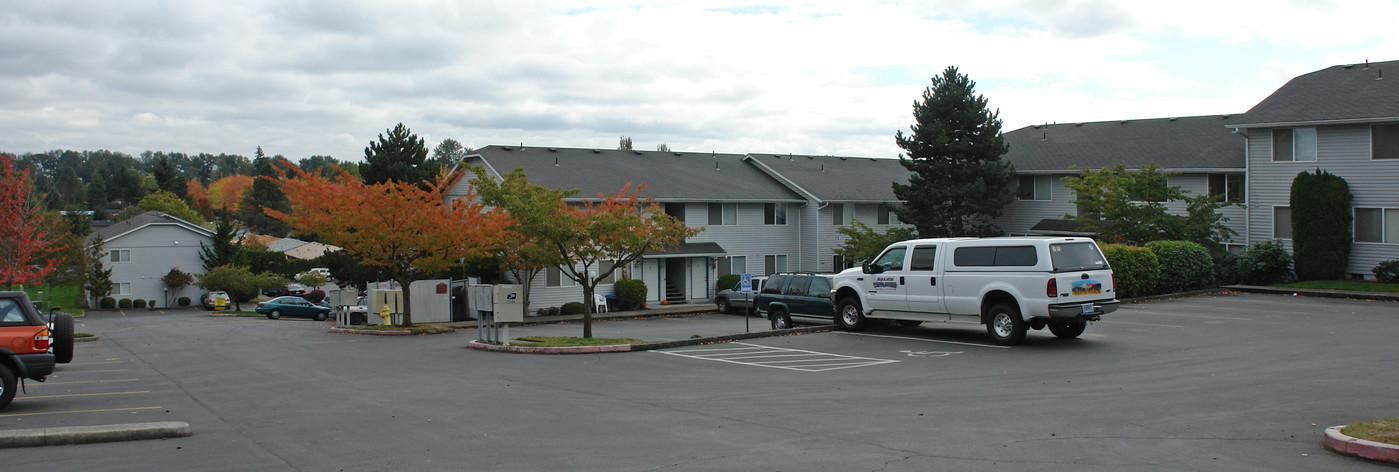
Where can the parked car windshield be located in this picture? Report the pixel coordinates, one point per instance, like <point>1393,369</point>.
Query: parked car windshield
<point>1076,256</point>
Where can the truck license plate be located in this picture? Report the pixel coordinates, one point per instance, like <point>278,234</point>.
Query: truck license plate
<point>1087,307</point>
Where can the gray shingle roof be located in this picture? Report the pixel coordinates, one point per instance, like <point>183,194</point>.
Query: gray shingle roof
<point>670,176</point>
<point>1345,93</point>
<point>143,220</point>
<point>837,179</point>
<point>1197,142</point>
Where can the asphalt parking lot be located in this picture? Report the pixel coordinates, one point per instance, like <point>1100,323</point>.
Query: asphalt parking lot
<point>1212,382</point>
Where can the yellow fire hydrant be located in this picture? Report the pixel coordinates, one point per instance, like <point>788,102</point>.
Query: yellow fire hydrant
<point>384,313</point>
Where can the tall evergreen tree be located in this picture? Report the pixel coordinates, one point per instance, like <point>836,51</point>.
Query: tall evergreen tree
<point>399,157</point>
<point>168,176</point>
<point>265,194</point>
<point>1321,225</point>
<point>225,251</point>
<point>959,182</point>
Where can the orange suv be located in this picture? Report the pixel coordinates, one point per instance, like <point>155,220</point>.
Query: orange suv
<point>29,346</point>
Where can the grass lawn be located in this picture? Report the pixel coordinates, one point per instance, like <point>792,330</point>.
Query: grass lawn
<point>569,341</point>
<point>1354,285</point>
<point>65,296</point>
<point>1385,431</point>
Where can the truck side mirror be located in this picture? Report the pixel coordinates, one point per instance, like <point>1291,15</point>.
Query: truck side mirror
<point>870,269</point>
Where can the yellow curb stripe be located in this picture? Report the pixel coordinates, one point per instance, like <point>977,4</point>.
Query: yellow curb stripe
<point>11,415</point>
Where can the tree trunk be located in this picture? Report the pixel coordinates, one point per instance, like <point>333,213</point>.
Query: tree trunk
<point>588,308</point>
<point>407,307</point>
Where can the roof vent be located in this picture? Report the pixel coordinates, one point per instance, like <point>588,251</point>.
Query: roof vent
<point>1123,122</point>
<point>553,149</point>
<point>507,148</point>
<point>823,167</point>
<point>637,152</point>
<point>597,151</point>
<point>677,154</point>
<point>1223,117</point>
<point>842,158</point>
<point>1367,64</point>
<point>814,158</point>
<point>1044,136</point>
<point>556,161</point>
<point>716,165</point>
<point>1078,125</point>
<point>1170,119</point>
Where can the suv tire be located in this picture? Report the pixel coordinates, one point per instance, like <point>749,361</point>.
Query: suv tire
<point>724,306</point>
<point>1005,325</point>
<point>1068,330</point>
<point>274,314</point>
<point>62,338</point>
<point>849,315</point>
<point>781,320</point>
<point>7,385</point>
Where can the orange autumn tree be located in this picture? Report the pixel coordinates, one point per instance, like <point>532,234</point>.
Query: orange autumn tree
<point>227,193</point>
<point>408,230</point>
<point>620,227</point>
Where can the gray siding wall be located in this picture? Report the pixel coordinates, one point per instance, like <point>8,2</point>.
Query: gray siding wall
<point>1341,150</point>
<point>750,238</point>
<point>1020,215</point>
<point>154,251</point>
<point>830,239</point>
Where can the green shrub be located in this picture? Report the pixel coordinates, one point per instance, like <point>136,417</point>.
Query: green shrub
<point>107,303</point>
<point>1228,269</point>
<point>1387,271</point>
<point>182,301</point>
<point>631,294</point>
<point>1185,266</point>
<point>727,281</point>
<point>124,303</point>
<point>138,303</point>
<point>1321,221</point>
<point>573,308</point>
<point>1135,269</point>
<point>548,311</point>
<point>1265,263</point>
<point>150,303</point>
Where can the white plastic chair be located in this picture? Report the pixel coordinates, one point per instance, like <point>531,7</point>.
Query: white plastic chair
<point>599,303</point>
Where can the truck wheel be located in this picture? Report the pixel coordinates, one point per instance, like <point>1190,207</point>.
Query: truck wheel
<point>1005,325</point>
<point>7,386</point>
<point>1068,330</point>
<point>724,306</point>
<point>62,338</point>
<point>781,320</point>
<point>849,315</point>
<point>910,323</point>
<point>274,314</point>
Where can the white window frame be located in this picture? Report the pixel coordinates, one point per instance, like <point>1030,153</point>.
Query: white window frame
<point>1037,183</point>
<point>741,262</point>
<point>121,289</point>
<point>1276,233</point>
<point>841,210</point>
<point>728,214</point>
<point>119,256</point>
<point>779,214</point>
<point>1242,186</point>
<point>1388,223</point>
<point>885,215</point>
<point>1395,127</point>
<point>1297,134</point>
<point>560,277</point>
<point>771,263</point>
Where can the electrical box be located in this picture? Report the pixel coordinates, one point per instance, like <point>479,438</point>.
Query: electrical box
<point>379,298</point>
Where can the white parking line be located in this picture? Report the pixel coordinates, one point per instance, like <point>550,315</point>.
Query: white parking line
<point>779,358</point>
<point>924,340</point>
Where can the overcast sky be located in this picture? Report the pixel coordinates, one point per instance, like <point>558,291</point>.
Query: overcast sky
<point>303,78</point>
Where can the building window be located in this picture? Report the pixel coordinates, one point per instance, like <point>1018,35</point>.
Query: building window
<point>838,263</point>
<point>733,265</point>
<point>1230,186</point>
<point>723,214</point>
<point>1034,187</point>
<point>886,216</point>
<point>1377,225</point>
<point>1295,144</point>
<point>775,213</point>
<point>557,277</point>
<point>122,288</point>
<point>1282,222</point>
<point>838,214</point>
<point>604,266</point>
<point>774,263</point>
<point>1384,141</point>
<point>121,255</point>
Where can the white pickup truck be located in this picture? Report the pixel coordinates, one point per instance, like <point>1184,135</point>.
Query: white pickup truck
<point>1008,284</point>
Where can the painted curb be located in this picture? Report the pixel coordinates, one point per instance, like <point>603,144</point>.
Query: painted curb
<point>1375,451</point>
<point>93,434</point>
<point>86,339</point>
<point>549,350</point>
<point>390,332</point>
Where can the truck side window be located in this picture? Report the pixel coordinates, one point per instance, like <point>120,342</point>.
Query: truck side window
<point>892,259</point>
<point>798,285</point>
<point>11,312</point>
<point>923,257</point>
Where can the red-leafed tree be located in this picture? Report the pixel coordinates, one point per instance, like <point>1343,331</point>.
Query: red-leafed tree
<point>408,230</point>
<point>29,238</point>
<point>621,227</point>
